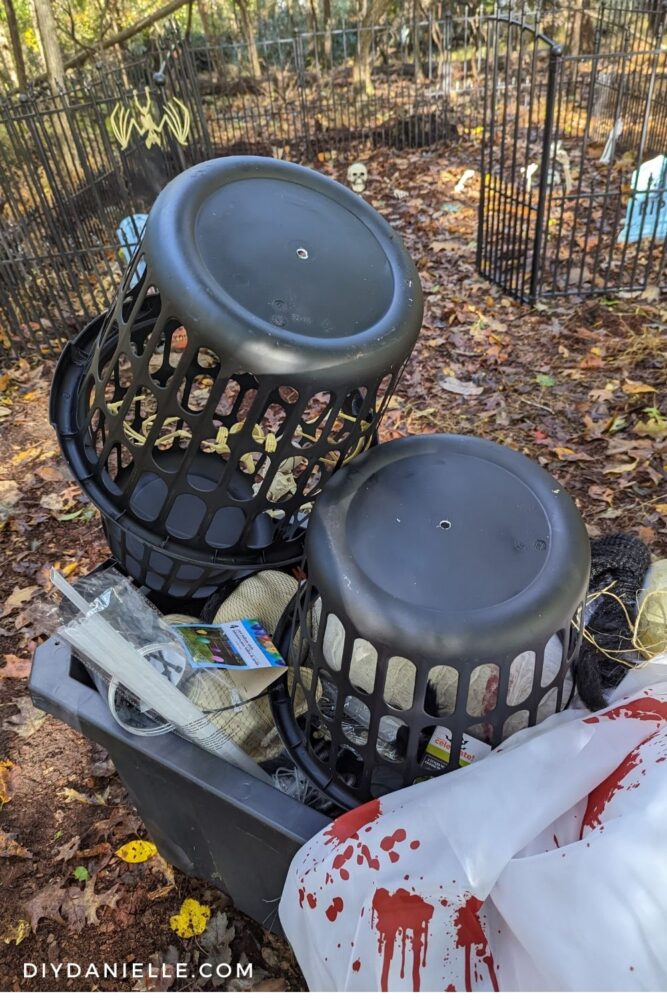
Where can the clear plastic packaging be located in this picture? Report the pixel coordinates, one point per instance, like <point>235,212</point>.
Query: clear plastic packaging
<point>131,650</point>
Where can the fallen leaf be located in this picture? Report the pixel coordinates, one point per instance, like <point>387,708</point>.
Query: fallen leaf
<point>80,907</point>
<point>633,388</point>
<point>592,360</point>
<point>94,852</point>
<point>84,514</point>
<point>8,775</point>
<point>271,986</point>
<point>161,974</point>
<point>455,385</point>
<point>28,720</point>
<point>45,905</point>
<point>618,470</point>
<point>216,943</point>
<point>16,934</point>
<point>661,508</point>
<point>28,455</point>
<point>191,919</point>
<point>10,493</point>
<point>72,795</point>
<point>565,454</point>
<point>15,668</point>
<point>136,851</point>
<point>19,596</point>
<point>50,474</point>
<point>55,502</point>
<point>651,428</point>
<point>158,864</point>
<point>10,847</point>
<point>650,294</point>
<point>68,851</point>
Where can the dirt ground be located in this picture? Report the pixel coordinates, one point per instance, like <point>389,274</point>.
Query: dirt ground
<point>579,386</point>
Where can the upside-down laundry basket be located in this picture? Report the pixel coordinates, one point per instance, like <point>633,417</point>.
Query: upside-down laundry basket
<point>444,575</point>
<point>259,329</point>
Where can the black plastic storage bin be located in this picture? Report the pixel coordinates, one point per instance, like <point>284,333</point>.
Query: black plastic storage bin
<point>205,816</point>
<point>254,342</point>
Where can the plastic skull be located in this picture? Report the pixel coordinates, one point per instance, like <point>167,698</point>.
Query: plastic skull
<point>357,177</point>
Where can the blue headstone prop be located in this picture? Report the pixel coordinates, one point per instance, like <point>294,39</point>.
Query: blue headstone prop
<point>128,234</point>
<point>646,214</point>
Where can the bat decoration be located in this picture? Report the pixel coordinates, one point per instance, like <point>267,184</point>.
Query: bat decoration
<point>138,117</point>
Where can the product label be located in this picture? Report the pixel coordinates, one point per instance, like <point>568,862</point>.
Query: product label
<point>244,648</point>
<point>438,751</point>
<point>239,645</point>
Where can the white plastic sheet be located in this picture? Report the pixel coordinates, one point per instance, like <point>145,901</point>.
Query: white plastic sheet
<point>541,867</point>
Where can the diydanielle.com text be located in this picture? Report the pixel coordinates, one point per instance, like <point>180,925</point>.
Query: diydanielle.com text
<point>134,970</point>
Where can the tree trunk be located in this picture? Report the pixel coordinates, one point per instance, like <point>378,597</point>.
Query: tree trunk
<point>583,32</point>
<point>248,32</point>
<point>15,40</point>
<point>123,36</point>
<point>316,38</point>
<point>48,37</point>
<point>328,37</point>
<point>215,53</point>
<point>369,12</point>
<point>416,55</point>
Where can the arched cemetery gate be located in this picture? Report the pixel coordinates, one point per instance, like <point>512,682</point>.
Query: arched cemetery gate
<point>573,169</point>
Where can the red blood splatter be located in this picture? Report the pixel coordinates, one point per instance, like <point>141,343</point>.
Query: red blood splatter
<point>601,796</point>
<point>444,902</point>
<point>451,989</point>
<point>347,826</point>
<point>469,933</point>
<point>341,859</point>
<point>407,915</point>
<point>468,928</point>
<point>356,965</point>
<point>645,709</point>
<point>312,900</point>
<point>344,856</point>
<point>365,854</point>
<point>335,908</point>
<point>397,837</point>
<point>302,896</point>
<point>414,844</point>
<point>394,856</point>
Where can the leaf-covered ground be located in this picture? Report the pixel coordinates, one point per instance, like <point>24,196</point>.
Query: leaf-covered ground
<point>579,386</point>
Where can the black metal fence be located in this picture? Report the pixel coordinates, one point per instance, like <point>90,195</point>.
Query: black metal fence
<point>573,172</point>
<point>75,167</point>
<point>571,102</point>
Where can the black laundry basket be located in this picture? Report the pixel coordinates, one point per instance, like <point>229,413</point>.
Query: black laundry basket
<point>259,330</point>
<point>444,574</point>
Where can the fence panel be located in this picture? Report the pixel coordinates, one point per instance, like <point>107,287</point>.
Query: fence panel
<point>574,175</point>
<point>77,164</point>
